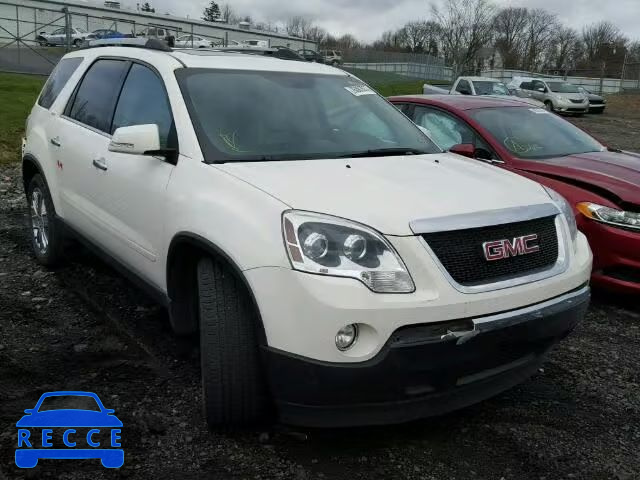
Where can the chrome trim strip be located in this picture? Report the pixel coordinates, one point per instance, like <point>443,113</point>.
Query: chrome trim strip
<point>501,320</point>
<point>514,317</point>
<point>483,219</point>
<point>561,265</point>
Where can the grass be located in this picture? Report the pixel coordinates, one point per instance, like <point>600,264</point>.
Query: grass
<point>17,95</point>
<point>387,83</point>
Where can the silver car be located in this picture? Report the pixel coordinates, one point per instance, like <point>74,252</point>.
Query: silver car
<point>556,94</point>
<point>59,37</point>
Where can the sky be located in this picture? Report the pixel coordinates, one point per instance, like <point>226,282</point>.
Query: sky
<point>367,19</point>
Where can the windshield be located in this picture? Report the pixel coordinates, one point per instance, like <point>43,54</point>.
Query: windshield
<point>561,87</point>
<point>244,116</point>
<point>534,133</point>
<point>65,402</point>
<point>491,88</point>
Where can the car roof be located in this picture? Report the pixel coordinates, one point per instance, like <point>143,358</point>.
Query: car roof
<point>481,79</point>
<point>461,102</point>
<point>209,58</point>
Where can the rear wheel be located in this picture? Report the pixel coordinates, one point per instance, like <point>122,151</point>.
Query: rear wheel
<point>234,392</point>
<point>47,240</point>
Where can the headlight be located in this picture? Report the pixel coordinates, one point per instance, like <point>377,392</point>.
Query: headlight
<point>609,215</point>
<point>566,210</point>
<point>328,245</point>
<point>561,98</point>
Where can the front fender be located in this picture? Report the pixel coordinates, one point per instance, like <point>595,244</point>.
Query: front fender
<point>241,220</point>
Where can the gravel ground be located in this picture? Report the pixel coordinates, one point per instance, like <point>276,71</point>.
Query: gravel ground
<point>83,327</point>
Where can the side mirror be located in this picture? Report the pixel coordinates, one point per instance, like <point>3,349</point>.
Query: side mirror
<point>464,149</point>
<point>541,89</point>
<point>141,140</point>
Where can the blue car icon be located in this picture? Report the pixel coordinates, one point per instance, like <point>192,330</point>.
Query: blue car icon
<point>58,414</point>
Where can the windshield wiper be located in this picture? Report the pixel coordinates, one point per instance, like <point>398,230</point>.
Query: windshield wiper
<point>385,152</point>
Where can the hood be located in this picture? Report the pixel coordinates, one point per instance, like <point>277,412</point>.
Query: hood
<point>617,173</point>
<point>571,96</point>
<point>593,96</point>
<point>69,418</point>
<point>387,193</point>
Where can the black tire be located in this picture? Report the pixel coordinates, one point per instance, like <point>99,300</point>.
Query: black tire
<point>77,42</point>
<point>52,254</point>
<point>549,106</point>
<point>234,392</point>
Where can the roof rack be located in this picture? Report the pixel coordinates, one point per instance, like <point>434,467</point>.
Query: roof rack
<point>148,43</point>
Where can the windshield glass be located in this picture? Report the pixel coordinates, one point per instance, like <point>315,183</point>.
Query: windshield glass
<point>561,87</point>
<point>243,116</point>
<point>490,88</point>
<point>534,133</point>
<point>65,402</point>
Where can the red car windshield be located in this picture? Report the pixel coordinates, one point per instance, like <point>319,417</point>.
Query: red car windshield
<point>534,133</point>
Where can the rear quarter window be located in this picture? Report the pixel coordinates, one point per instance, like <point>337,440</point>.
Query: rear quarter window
<point>57,80</point>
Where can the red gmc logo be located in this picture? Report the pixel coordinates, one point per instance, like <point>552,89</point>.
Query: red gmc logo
<point>501,249</point>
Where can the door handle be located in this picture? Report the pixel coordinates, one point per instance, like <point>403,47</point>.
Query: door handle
<point>55,141</point>
<point>100,163</point>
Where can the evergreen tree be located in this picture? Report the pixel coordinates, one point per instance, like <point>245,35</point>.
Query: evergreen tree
<point>211,13</point>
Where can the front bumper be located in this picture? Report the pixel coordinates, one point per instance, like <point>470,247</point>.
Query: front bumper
<point>422,370</point>
<point>572,107</point>
<point>616,263</point>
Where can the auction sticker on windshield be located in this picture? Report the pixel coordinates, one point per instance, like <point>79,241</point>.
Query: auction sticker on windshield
<point>359,90</point>
<point>69,426</point>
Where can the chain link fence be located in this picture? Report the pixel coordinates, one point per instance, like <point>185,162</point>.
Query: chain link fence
<point>419,66</point>
<point>34,38</point>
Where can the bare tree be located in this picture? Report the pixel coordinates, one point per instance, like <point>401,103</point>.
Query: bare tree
<point>227,14</point>
<point>418,36</point>
<point>466,27</point>
<point>317,35</point>
<point>564,49</point>
<point>510,24</point>
<point>540,28</point>
<point>598,39</point>
<point>298,26</point>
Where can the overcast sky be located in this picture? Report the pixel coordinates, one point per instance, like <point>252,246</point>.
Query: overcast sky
<point>366,19</point>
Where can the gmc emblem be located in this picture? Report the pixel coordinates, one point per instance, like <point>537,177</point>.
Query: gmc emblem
<point>501,249</point>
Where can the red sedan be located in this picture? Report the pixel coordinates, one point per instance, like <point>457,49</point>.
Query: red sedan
<point>602,184</point>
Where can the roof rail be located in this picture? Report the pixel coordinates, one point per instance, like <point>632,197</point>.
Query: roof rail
<point>149,44</point>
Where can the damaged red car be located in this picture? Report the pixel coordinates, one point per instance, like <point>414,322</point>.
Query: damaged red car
<point>602,183</point>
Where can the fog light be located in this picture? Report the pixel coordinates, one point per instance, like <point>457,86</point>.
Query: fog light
<point>346,337</point>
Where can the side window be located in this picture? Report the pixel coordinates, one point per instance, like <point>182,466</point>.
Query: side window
<point>57,80</point>
<point>445,130</point>
<point>95,98</point>
<point>160,32</point>
<point>463,87</point>
<point>525,85</point>
<point>144,101</point>
<point>536,84</point>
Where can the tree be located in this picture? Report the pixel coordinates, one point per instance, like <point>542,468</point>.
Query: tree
<point>227,15</point>
<point>599,38</point>
<point>564,50</point>
<point>539,31</point>
<point>509,25</point>
<point>146,7</point>
<point>466,26</point>
<point>297,26</point>
<point>212,13</point>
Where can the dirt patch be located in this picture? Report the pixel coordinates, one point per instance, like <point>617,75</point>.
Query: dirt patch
<point>83,327</point>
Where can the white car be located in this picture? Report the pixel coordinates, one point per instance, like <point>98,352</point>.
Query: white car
<point>336,263</point>
<point>192,41</point>
<point>59,37</point>
<point>487,87</point>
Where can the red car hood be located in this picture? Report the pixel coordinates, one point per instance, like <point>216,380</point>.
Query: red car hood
<point>618,173</point>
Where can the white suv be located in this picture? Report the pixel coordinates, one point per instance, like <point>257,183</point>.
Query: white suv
<point>336,263</point>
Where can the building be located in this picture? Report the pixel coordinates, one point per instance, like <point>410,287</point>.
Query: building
<point>27,18</point>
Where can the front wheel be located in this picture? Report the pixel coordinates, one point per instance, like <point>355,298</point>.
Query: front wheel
<point>46,236</point>
<point>77,42</point>
<point>549,106</point>
<point>234,392</point>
